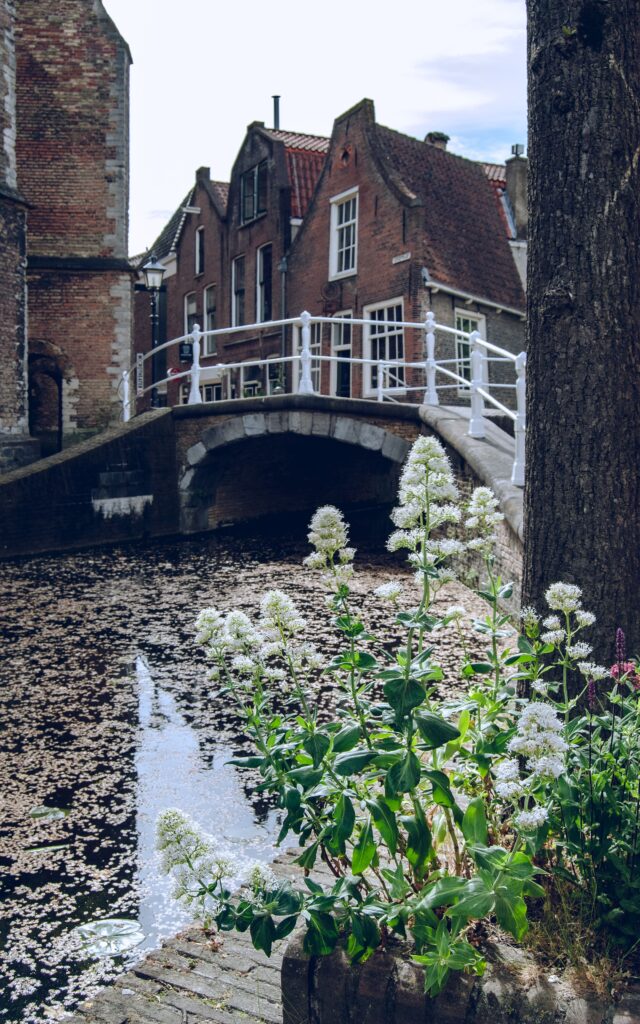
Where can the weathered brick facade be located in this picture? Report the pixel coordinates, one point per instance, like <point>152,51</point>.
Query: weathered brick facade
<point>65,121</point>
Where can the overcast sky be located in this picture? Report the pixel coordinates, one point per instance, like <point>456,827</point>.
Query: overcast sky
<point>203,71</point>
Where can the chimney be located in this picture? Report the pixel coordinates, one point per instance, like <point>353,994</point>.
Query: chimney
<point>517,171</point>
<point>203,174</point>
<point>437,139</point>
<point>276,111</point>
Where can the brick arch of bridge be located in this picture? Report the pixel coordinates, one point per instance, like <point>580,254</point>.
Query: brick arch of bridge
<point>265,463</point>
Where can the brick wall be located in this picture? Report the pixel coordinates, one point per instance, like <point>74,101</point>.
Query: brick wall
<point>72,156</point>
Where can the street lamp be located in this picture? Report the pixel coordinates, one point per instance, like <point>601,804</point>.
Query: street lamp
<point>153,273</point>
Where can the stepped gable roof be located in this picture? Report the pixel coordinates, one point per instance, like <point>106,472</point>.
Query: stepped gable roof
<point>465,243</point>
<point>305,156</point>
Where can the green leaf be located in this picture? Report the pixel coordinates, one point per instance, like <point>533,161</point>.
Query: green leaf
<point>286,926</point>
<point>316,746</point>
<point>385,822</point>
<point>435,730</point>
<point>442,794</point>
<point>346,739</point>
<point>365,850</point>
<point>404,694</point>
<point>404,775</point>
<point>443,893</point>
<point>110,936</point>
<point>419,840</point>
<point>263,931</point>
<point>345,817</point>
<point>307,776</point>
<point>511,909</point>
<point>475,901</point>
<point>482,668</point>
<point>308,857</point>
<point>322,933</point>
<point>524,645</point>
<point>353,761</point>
<point>246,762</point>
<point>474,822</point>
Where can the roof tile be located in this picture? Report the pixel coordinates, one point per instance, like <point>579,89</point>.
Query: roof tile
<point>465,243</point>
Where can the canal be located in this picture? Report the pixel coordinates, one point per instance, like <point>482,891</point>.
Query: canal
<point>106,718</point>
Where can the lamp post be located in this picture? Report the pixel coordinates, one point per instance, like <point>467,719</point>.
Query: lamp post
<point>153,274</point>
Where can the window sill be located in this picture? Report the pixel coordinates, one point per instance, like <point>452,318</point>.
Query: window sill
<point>345,274</point>
<point>248,223</point>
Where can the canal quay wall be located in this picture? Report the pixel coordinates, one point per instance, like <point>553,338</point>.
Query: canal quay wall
<point>192,469</point>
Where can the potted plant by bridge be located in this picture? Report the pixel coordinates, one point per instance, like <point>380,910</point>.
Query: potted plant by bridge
<point>425,817</point>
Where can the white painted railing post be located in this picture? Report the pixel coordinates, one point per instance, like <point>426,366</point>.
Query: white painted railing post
<point>380,387</point>
<point>517,475</point>
<point>126,412</point>
<point>195,398</point>
<point>430,395</point>
<point>305,387</point>
<point>476,423</point>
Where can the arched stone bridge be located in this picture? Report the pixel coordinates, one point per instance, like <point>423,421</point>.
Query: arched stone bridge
<point>195,468</point>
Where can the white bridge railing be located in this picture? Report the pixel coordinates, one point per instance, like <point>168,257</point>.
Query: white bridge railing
<point>383,379</point>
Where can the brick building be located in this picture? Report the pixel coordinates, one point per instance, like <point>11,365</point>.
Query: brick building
<point>370,224</point>
<point>399,227</point>
<point>66,158</point>
<point>225,251</point>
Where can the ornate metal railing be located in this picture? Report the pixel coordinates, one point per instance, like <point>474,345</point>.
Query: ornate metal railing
<point>386,379</point>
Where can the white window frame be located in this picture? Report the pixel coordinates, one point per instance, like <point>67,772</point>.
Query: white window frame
<point>199,251</point>
<point>208,393</point>
<point>260,289</point>
<point>211,344</point>
<point>476,322</point>
<point>279,378</point>
<point>251,386</point>
<point>234,309</point>
<point>188,297</point>
<point>369,380</point>
<point>315,345</point>
<point>338,345</point>
<point>337,249</point>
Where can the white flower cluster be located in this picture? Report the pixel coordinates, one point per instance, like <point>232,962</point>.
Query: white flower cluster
<point>563,597</point>
<point>233,641</point>
<point>200,865</point>
<point>592,671</point>
<point>529,821</point>
<point>391,591</point>
<point>329,535</point>
<point>508,784</point>
<point>538,740</point>
<point>483,517</point>
<point>454,613</point>
<point>425,495</point>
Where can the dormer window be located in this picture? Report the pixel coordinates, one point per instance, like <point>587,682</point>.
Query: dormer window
<point>253,192</point>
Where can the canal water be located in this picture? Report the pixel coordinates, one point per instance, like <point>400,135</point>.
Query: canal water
<point>106,717</point>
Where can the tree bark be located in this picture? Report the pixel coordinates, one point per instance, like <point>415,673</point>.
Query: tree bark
<point>582,493</point>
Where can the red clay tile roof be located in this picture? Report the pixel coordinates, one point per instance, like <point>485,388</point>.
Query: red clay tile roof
<point>495,172</point>
<point>305,156</point>
<point>465,243</point>
<point>297,140</point>
<point>304,168</point>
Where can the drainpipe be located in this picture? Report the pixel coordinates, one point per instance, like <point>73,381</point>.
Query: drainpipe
<point>282,267</point>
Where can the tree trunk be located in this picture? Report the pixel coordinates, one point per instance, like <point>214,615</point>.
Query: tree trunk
<point>582,495</point>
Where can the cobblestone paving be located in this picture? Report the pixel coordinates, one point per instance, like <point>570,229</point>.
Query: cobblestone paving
<point>191,980</point>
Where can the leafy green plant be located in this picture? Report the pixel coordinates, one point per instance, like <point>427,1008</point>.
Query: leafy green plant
<point>430,814</point>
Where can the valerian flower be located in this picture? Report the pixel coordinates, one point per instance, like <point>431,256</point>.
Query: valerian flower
<point>328,531</point>
<point>531,820</point>
<point>483,517</point>
<point>564,597</point>
<point>391,591</point>
<point>279,614</point>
